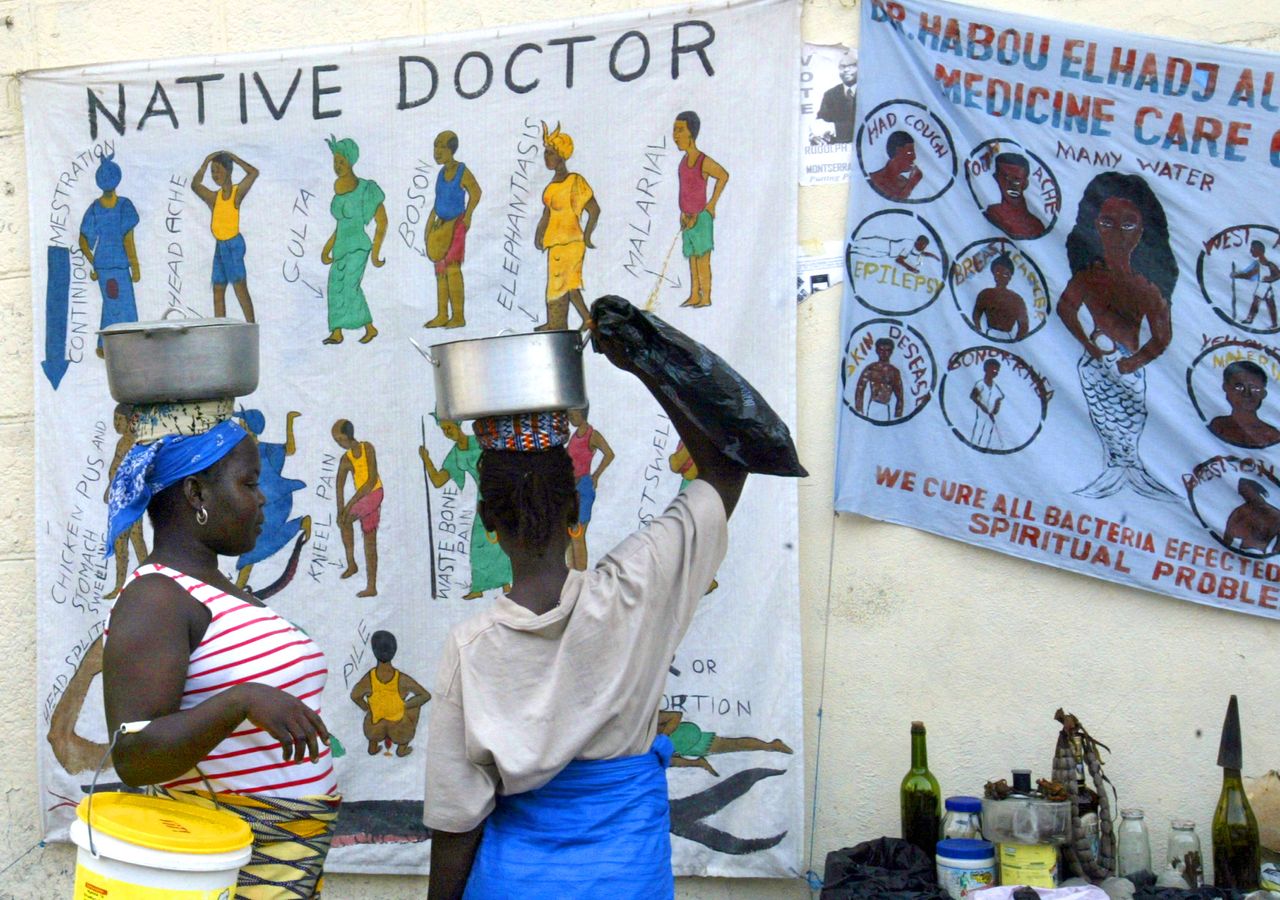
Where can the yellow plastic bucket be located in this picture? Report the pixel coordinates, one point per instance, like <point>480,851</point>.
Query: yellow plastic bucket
<point>147,848</point>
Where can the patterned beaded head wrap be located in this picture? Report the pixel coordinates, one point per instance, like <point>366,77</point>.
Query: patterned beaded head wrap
<point>523,431</point>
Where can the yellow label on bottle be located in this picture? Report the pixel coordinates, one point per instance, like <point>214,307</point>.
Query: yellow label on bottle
<point>95,886</point>
<point>1035,865</point>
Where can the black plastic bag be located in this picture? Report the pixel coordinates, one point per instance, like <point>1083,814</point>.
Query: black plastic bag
<point>884,869</point>
<point>718,401</point>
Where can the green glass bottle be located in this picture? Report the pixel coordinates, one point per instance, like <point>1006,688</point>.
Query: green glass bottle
<point>1236,856</point>
<point>920,797</point>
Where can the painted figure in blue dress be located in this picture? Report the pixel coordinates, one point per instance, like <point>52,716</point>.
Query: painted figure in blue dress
<point>278,529</point>
<point>106,240</point>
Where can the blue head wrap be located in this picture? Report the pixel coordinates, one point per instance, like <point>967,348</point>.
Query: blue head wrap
<point>108,175</point>
<point>253,420</point>
<point>147,469</point>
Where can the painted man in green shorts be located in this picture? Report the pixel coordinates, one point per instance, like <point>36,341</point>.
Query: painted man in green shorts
<point>696,211</point>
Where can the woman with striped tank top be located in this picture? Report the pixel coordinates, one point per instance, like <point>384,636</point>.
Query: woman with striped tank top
<point>231,689</point>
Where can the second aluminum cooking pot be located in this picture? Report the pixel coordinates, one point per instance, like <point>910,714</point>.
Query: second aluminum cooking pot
<point>509,374</point>
<point>180,359</point>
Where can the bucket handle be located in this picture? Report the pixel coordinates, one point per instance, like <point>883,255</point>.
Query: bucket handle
<point>426,354</point>
<point>583,336</point>
<point>125,728</point>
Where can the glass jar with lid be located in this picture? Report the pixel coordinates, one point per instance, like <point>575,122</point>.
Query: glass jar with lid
<point>962,818</point>
<point>1133,850</point>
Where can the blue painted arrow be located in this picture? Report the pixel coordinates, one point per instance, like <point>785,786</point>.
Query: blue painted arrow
<point>57,302</point>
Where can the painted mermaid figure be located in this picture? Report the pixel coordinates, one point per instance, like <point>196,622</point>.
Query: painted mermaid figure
<point>1122,275</point>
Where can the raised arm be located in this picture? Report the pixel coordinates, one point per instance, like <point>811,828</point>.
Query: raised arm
<point>197,182</point>
<point>290,446</point>
<point>250,176</point>
<point>438,477</point>
<point>722,473</point>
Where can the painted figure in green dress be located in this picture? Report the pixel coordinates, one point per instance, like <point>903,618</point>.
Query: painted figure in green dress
<point>691,745</point>
<point>356,202</point>
<point>490,567</point>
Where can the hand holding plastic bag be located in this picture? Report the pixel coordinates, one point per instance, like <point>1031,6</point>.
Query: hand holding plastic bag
<point>718,401</point>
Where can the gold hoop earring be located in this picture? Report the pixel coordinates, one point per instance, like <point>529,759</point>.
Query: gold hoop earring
<point>491,536</point>
<point>202,516</point>
<point>576,531</point>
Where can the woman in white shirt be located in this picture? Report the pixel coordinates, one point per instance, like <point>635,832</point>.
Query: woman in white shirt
<point>545,772</point>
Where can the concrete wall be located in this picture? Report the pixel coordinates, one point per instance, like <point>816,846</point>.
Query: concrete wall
<point>898,625</point>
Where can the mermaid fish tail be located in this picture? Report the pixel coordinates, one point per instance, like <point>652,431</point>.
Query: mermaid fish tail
<point>1118,410</point>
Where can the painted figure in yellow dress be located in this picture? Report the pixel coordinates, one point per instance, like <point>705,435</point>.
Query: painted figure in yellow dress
<point>561,232</point>
<point>392,700</point>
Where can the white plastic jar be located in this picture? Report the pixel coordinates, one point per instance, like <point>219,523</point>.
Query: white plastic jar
<point>965,865</point>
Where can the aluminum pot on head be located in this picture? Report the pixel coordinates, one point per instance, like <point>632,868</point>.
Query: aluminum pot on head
<point>508,374</point>
<point>180,359</point>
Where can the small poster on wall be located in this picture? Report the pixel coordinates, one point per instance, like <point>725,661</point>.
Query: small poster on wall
<point>828,89</point>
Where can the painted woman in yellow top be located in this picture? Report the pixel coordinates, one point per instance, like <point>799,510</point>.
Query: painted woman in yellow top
<point>228,251</point>
<point>391,699</point>
<point>561,232</point>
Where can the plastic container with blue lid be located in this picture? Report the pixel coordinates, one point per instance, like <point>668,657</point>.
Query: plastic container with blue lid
<point>965,865</point>
<point>962,819</point>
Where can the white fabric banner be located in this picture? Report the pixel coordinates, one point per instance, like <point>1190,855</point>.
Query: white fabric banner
<point>321,260</point>
<point>1060,323</point>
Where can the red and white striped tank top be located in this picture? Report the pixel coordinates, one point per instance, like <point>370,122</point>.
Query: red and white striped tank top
<point>246,643</point>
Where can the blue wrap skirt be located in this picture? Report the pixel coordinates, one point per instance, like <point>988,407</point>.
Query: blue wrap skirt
<point>599,829</point>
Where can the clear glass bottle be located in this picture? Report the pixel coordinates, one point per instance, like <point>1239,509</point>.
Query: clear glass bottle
<point>1133,851</point>
<point>1183,852</point>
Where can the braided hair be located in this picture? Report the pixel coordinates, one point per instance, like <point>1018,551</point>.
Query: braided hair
<point>527,493</point>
